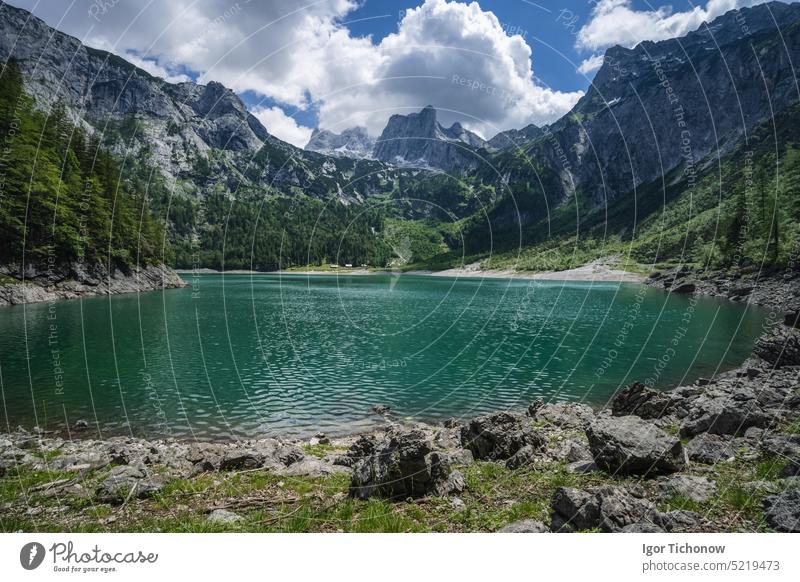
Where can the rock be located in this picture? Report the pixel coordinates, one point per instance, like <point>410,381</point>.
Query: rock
<point>322,438</point>
<point>362,448</point>
<point>639,400</point>
<point>525,526</point>
<point>681,521</point>
<point>459,457</point>
<point>238,460</point>
<point>457,503</point>
<point>710,449</point>
<point>223,517</point>
<point>448,438</point>
<point>782,511</point>
<point>81,424</point>
<point>402,465</point>
<point>727,415</point>
<point>498,436</point>
<point>381,409</point>
<point>694,488</point>
<point>564,415</point>
<point>456,483</point>
<point>630,446</point>
<point>79,461</point>
<point>127,482</point>
<point>792,319</point>
<point>684,288</point>
<point>780,346</point>
<point>522,458</point>
<point>606,508</point>
<point>451,423</point>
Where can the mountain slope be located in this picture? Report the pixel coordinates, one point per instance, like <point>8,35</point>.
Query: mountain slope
<point>354,142</point>
<point>419,140</point>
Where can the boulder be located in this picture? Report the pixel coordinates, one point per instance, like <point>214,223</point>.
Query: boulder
<point>642,527</point>
<point>639,400</point>
<point>362,448</point>
<point>710,449</point>
<point>522,458</point>
<point>81,460</point>
<point>780,346</point>
<point>381,409</point>
<point>782,511</point>
<point>630,446</point>
<point>694,488</point>
<point>525,526</point>
<point>606,508</point>
<point>81,424</point>
<point>127,482</point>
<point>727,414</point>
<point>684,288</point>
<point>404,464</point>
<point>498,436</point>
<point>682,521</point>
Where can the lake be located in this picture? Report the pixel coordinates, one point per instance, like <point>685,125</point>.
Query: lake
<point>264,355</point>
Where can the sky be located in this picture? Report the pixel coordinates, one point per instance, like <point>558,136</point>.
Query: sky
<point>491,65</point>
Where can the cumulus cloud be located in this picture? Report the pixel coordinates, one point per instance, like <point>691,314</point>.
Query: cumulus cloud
<point>617,22</point>
<point>591,64</point>
<point>303,55</point>
<point>282,126</point>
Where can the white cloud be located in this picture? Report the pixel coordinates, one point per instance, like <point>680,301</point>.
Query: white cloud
<point>155,69</point>
<point>302,55</point>
<point>617,22</point>
<point>591,64</point>
<point>282,126</point>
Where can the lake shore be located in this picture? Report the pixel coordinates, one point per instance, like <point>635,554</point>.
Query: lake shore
<point>721,455</point>
<point>592,272</point>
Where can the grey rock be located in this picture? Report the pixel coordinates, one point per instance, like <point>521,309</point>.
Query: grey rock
<point>523,457</point>
<point>419,140</point>
<point>525,526</point>
<point>710,449</point>
<point>630,446</point>
<point>402,465</point>
<point>381,409</point>
<point>582,467</point>
<point>780,346</point>
<point>127,482</point>
<point>459,457</point>
<point>639,400</point>
<point>782,511</point>
<point>682,521</point>
<point>724,415</point>
<point>81,424</point>
<point>354,142</point>
<point>606,508</point>
<point>498,436</point>
<point>80,461</point>
<point>695,488</point>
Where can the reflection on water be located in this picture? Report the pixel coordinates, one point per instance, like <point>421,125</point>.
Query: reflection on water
<point>268,354</point>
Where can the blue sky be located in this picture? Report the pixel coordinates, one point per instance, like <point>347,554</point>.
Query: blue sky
<point>491,65</point>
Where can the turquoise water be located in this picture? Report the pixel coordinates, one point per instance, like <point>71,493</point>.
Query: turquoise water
<point>239,355</point>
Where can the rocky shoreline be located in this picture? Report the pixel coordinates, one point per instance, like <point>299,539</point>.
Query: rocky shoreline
<point>73,281</point>
<point>651,461</point>
<point>720,455</point>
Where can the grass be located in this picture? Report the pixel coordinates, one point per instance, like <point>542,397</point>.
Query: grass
<point>495,496</point>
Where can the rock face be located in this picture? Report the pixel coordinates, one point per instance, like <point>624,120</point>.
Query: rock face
<point>630,446</point>
<point>419,140</point>
<point>639,400</point>
<point>499,436</point>
<point>780,347</point>
<point>351,143</point>
<point>72,281</point>
<point>782,512</point>
<point>404,464</point>
<point>516,137</point>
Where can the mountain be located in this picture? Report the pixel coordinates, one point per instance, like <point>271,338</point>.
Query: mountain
<point>419,140</point>
<point>199,136</point>
<point>516,137</point>
<point>351,143</point>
